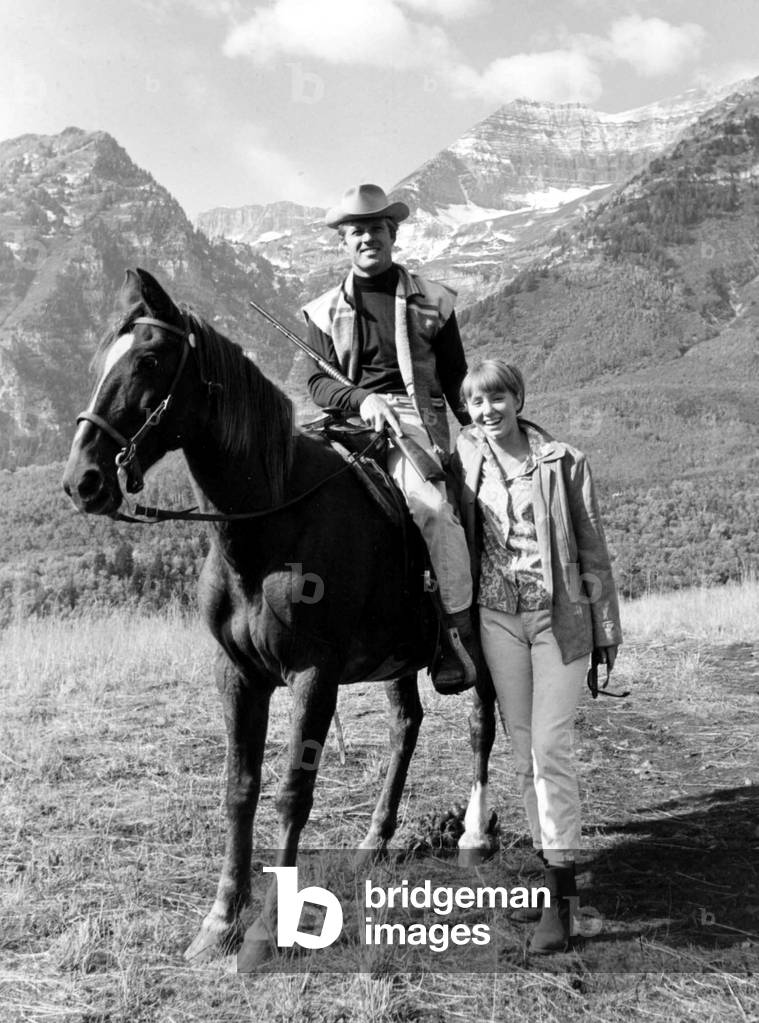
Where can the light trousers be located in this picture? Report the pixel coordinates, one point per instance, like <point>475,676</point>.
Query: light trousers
<point>433,514</point>
<point>537,697</point>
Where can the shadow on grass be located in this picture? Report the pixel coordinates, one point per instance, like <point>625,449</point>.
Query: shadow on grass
<point>673,891</point>
<point>684,876</point>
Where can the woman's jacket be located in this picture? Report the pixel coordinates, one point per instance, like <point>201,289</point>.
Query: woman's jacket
<point>573,553</point>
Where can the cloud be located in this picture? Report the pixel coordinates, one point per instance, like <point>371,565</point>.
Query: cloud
<point>166,10</point>
<point>449,10</point>
<point>555,76</point>
<point>393,34</point>
<point>271,173</point>
<point>721,75</point>
<point>572,74</point>
<point>375,33</point>
<point>653,46</point>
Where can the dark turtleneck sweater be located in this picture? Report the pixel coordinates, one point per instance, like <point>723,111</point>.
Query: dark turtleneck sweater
<point>378,368</point>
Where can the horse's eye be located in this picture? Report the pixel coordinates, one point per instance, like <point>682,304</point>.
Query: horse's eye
<point>148,363</point>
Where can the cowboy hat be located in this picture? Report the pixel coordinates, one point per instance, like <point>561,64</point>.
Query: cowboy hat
<point>363,202</point>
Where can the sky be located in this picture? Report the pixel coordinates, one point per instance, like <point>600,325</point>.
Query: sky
<point>237,102</point>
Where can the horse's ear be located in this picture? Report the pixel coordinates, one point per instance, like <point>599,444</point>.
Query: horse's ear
<point>131,290</point>
<point>141,286</point>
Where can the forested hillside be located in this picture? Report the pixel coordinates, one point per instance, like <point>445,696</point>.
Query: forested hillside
<point>52,559</point>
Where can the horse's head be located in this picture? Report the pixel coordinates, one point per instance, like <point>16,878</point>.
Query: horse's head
<point>141,406</point>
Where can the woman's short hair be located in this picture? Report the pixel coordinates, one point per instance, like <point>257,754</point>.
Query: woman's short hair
<point>493,375</point>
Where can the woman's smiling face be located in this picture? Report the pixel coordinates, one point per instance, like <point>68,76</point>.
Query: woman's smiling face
<point>495,412</point>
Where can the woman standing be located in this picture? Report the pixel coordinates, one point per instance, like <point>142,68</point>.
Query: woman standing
<point>546,601</point>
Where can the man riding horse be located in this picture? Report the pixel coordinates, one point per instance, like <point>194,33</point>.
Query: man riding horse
<point>394,335</point>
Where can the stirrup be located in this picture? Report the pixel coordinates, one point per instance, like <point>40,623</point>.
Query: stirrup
<point>460,673</point>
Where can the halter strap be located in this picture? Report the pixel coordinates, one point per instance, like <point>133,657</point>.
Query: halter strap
<point>151,321</point>
<point>127,463</point>
<point>93,417</point>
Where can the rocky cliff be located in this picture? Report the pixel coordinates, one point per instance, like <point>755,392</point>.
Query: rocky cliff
<point>501,189</point>
<point>259,225</point>
<point>75,211</point>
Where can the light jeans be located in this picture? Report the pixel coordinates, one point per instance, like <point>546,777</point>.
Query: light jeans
<point>433,514</point>
<point>537,697</point>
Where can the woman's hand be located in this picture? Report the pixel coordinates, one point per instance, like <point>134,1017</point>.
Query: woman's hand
<point>607,655</point>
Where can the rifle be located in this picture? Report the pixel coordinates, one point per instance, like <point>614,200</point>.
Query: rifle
<point>424,464</point>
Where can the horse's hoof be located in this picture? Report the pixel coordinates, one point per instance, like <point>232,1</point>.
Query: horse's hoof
<point>211,944</point>
<point>258,947</point>
<point>475,849</point>
<point>472,857</point>
<point>369,853</point>
<point>204,948</point>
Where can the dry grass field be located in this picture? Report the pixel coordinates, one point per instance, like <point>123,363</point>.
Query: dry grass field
<point>111,761</point>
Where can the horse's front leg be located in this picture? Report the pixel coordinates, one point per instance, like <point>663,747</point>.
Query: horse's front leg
<point>475,841</point>
<point>314,702</point>
<point>245,703</point>
<point>405,720</point>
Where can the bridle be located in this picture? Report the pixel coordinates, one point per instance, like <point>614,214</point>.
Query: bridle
<point>128,467</point>
<point>129,471</point>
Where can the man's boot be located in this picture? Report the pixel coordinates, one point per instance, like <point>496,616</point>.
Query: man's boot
<point>553,932</point>
<point>457,668</point>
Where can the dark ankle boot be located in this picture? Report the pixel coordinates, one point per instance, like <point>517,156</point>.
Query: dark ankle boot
<point>553,932</point>
<point>530,914</point>
<point>456,669</point>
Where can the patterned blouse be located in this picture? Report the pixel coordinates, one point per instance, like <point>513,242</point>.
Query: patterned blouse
<point>511,574</point>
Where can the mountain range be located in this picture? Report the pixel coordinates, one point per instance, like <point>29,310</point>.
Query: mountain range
<point>615,257</point>
<point>640,330</point>
<point>487,205</point>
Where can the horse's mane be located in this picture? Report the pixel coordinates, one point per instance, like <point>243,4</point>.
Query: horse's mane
<point>253,417</point>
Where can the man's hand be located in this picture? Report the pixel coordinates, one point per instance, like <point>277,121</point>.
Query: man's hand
<point>375,411</point>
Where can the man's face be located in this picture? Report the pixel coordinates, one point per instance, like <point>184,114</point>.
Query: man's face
<point>370,246</point>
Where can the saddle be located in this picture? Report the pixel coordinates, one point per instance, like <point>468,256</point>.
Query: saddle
<point>366,452</point>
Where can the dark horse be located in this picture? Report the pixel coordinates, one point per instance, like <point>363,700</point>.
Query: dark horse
<point>318,591</point>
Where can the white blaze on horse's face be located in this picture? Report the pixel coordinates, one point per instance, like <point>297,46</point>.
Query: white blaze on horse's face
<point>120,347</point>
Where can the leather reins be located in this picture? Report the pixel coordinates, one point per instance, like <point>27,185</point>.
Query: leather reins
<point>129,472</point>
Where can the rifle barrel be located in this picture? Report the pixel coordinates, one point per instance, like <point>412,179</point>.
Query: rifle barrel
<point>425,465</point>
<point>300,343</point>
